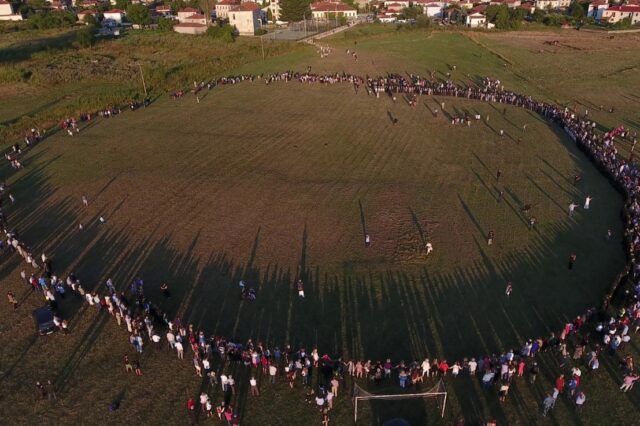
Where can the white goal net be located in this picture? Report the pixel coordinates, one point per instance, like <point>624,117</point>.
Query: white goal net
<point>437,392</point>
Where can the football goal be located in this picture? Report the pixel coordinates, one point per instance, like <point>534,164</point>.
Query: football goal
<point>437,392</point>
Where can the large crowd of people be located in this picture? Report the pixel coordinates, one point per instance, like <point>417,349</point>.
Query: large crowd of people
<point>578,345</point>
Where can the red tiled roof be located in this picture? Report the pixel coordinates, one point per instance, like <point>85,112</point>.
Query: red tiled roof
<point>327,6</point>
<point>248,7</point>
<point>188,10</point>
<point>114,11</point>
<point>228,2</point>
<point>189,25</point>
<point>4,2</point>
<point>627,9</point>
<point>195,16</point>
<point>479,9</point>
<point>163,8</point>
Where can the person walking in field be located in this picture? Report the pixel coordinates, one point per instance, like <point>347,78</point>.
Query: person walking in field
<point>429,248</point>
<point>12,300</point>
<point>509,289</point>
<point>85,201</point>
<point>300,286</point>
<point>572,260</point>
<point>367,240</point>
<point>490,237</point>
<point>628,382</point>
<point>587,202</point>
<point>572,209</point>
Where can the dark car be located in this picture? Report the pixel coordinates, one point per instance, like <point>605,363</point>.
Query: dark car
<point>44,320</point>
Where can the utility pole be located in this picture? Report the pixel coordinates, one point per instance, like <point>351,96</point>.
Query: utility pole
<point>304,18</point>
<point>262,46</point>
<point>144,85</point>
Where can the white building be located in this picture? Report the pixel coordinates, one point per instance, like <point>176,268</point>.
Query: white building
<point>224,6</point>
<point>185,13</point>
<point>114,15</point>
<point>247,18</point>
<point>597,8</point>
<point>430,8</point>
<point>616,14</point>
<point>326,9</point>
<point>189,28</point>
<point>7,13</point>
<point>476,20</point>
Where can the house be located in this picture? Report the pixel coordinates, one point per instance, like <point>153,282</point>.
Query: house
<point>196,18</point>
<point>386,18</point>
<point>88,4</point>
<point>512,4</point>
<point>247,18</point>
<point>7,13</point>
<point>224,6</point>
<point>402,3</point>
<point>547,4</point>
<point>432,10</point>
<point>164,10</point>
<point>84,14</point>
<point>394,7</point>
<point>476,20</point>
<point>618,13</point>
<point>189,28</point>
<point>114,16</point>
<point>185,13</point>
<point>326,9</point>
<point>597,8</point>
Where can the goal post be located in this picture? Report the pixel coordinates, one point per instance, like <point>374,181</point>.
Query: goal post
<point>438,392</point>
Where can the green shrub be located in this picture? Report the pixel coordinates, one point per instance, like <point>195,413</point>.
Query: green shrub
<point>225,33</point>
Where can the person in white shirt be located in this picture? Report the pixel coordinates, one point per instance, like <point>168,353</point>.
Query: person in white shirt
<point>180,350</point>
<point>224,381</point>
<point>587,202</point>
<point>329,400</point>
<point>473,365</point>
<point>254,386</point>
<point>272,373</point>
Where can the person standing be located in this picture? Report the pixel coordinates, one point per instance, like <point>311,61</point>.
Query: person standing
<point>547,404</point>
<point>51,390</point>
<point>335,384</point>
<point>367,240</point>
<point>429,248</point>
<point>490,236</point>
<point>628,382</point>
<point>254,386</point>
<point>272,373</point>
<point>509,289</point>
<point>12,300</point>
<point>572,208</point>
<point>300,286</point>
<point>580,400</point>
<point>572,260</point>
<point>85,201</point>
<point>587,202</point>
<point>128,367</point>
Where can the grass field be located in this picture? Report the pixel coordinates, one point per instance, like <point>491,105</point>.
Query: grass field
<point>272,183</point>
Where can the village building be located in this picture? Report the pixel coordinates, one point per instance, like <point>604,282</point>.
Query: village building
<point>323,10</point>
<point>247,18</point>
<point>7,13</point>
<point>190,28</point>
<point>114,16</point>
<point>615,14</point>
<point>224,6</point>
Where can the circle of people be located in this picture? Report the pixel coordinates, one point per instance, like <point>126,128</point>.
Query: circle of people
<point>144,321</point>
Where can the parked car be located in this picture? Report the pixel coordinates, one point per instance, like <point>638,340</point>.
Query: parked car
<point>44,320</point>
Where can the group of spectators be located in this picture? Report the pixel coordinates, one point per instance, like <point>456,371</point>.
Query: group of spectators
<point>578,346</point>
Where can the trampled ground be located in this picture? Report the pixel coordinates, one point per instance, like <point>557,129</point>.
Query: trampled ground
<point>272,183</point>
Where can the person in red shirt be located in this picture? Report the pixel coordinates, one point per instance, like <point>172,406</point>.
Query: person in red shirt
<point>443,367</point>
<point>191,404</point>
<point>560,383</point>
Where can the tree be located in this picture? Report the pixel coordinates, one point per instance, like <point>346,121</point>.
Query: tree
<point>577,11</point>
<point>165,24</point>
<point>503,20</point>
<point>294,10</point>
<point>86,36</point>
<point>138,14</point>
<point>225,33</point>
<point>122,4</point>
<point>423,21</point>
<point>206,6</point>
<point>410,12</point>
